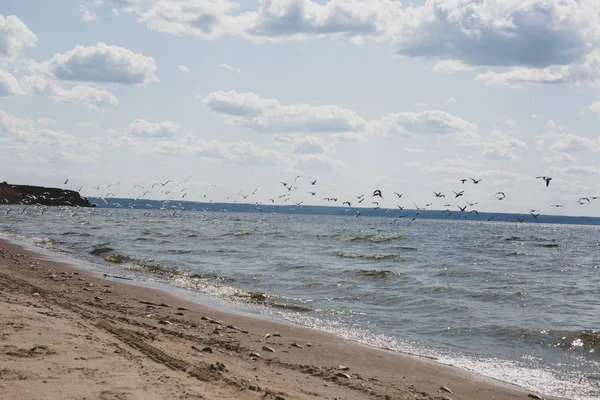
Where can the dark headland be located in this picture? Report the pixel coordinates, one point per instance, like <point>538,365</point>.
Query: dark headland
<point>32,195</point>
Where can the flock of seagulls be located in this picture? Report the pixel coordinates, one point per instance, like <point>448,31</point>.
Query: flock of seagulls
<point>173,189</point>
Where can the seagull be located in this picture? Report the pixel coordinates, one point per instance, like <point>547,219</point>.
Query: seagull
<point>474,211</point>
<point>462,208</point>
<point>283,183</point>
<point>472,204</point>
<point>312,193</point>
<point>582,200</point>
<point>534,215</point>
<point>314,182</point>
<point>458,194</point>
<point>463,181</point>
<point>447,212</point>
<point>347,202</point>
<point>400,207</point>
<point>358,213</point>
<point>475,181</point>
<point>399,194</point>
<point>500,195</point>
<point>556,205</point>
<point>377,193</point>
<point>66,181</point>
<point>546,178</point>
<point>374,202</point>
<point>439,194</point>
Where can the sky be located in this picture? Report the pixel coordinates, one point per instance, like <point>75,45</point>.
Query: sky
<point>226,98</point>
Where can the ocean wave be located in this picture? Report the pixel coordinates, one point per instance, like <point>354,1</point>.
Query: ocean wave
<point>375,273</point>
<point>71,233</point>
<point>372,238</point>
<point>586,340</point>
<point>267,299</point>
<point>351,254</point>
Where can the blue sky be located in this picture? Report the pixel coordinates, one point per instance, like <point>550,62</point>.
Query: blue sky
<point>360,95</point>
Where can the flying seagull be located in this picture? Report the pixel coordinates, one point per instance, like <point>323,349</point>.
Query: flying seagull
<point>546,178</point>
<point>439,194</point>
<point>462,192</point>
<point>399,194</point>
<point>475,181</point>
<point>500,195</point>
<point>377,192</point>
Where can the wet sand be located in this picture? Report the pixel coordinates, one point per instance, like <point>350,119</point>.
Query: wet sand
<point>66,333</point>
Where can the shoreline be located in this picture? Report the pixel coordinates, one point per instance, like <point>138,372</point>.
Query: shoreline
<point>160,342</point>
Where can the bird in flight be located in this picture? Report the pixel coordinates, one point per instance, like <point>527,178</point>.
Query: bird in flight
<point>583,200</point>
<point>463,181</point>
<point>347,202</point>
<point>313,182</point>
<point>399,194</point>
<point>439,194</point>
<point>546,178</point>
<point>312,193</point>
<point>461,193</point>
<point>472,204</point>
<point>534,215</point>
<point>462,208</point>
<point>66,181</point>
<point>377,192</point>
<point>475,181</point>
<point>556,205</point>
<point>500,195</point>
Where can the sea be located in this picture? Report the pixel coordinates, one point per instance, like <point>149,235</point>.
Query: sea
<point>518,302</point>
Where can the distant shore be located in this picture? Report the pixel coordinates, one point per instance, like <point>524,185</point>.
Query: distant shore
<point>40,195</point>
<point>68,333</point>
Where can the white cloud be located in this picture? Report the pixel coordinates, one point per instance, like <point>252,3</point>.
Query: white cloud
<point>246,153</point>
<point>268,115</point>
<point>142,128</point>
<point>450,67</point>
<point>201,19</point>
<point>61,157</point>
<point>577,170</point>
<point>595,107</point>
<point>87,15</point>
<point>9,86</point>
<point>561,158</point>
<point>89,125</point>
<point>450,100</point>
<point>96,99</point>
<point>320,162</point>
<point>305,144</point>
<point>429,122</point>
<point>563,141</point>
<point>104,64</point>
<point>500,146</point>
<point>25,132</point>
<point>230,68</point>
<point>419,151</point>
<point>303,19</point>
<point>183,68</point>
<point>535,33</point>
<point>15,36</point>
<point>585,72</point>
<point>446,166</point>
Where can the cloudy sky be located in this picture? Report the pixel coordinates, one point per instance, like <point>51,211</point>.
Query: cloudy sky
<point>356,94</point>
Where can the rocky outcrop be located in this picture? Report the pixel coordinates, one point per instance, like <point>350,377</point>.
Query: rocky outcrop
<point>25,194</point>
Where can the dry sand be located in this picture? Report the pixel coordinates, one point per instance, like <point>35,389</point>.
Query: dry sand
<point>66,333</point>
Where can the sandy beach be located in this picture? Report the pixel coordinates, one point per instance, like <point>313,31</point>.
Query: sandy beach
<point>70,334</point>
